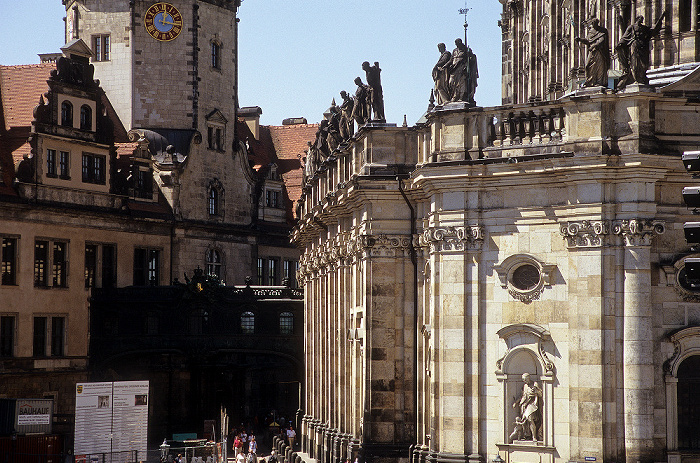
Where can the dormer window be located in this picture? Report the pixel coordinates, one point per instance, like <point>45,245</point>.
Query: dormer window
<point>67,114</point>
<point>85,117</point>
<point>216,131</point>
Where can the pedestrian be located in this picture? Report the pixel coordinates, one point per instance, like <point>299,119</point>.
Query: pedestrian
<point>237,445</point>
<point>253,446</point>
<point>291,436</point>
<point>273,457</point>
<point>240,458</point>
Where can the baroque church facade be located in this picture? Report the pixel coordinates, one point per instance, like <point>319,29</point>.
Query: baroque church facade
<point>508,283</point>
<point>127,169</point>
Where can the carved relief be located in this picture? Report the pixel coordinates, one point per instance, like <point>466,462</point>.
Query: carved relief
<point>638,232</point>
<point>452,238</point>
<point>592,233</point>
<point>585,233</point>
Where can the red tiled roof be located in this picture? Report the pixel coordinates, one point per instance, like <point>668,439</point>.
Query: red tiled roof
<point>20,89</point>
<point>126,149</point>
<point>290,142</point>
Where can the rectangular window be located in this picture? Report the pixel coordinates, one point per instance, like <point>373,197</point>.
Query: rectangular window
<point>215,55</point>
<point>144,184</point>
<point>9,261</point>
<point>90,265</point>
<point>210,137</point>
<point>93,168</point>
<point>146,267</point>
<point>7,336</point>
<point>109,266</point>
<point>40,324</point>
<point>218,140</point>
<point>58,325</point>
<point>63,171</point>
<point>51,163</point>
<point>100,47</point>
<point>60,265</point>
<point>271,272</point>
<point>41,255</point>
<point>289,272</point>
<point>261,271</point>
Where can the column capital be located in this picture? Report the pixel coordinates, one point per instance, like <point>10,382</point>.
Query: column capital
<point>439,239</point>
<point>638,232</point>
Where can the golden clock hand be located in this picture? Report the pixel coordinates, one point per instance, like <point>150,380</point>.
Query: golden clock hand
<point>164,22</point>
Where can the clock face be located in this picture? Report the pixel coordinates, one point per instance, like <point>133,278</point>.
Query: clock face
<point>163,22</point>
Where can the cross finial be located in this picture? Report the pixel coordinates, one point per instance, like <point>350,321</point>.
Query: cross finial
<point>464,11</point>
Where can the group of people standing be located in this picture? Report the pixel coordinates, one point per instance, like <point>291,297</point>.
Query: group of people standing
<point>633,51</point>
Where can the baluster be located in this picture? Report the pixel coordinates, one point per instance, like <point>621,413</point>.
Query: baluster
<point>547,127</point>
<point>535,116</point>
<point>527,126</point>
<point>558,123</point>
<point>508,130</point>
<point>490,131</point>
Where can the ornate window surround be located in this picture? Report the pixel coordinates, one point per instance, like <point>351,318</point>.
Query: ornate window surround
<point>505,275</point>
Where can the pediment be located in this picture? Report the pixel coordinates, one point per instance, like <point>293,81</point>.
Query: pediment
<point>77,47</point>
<point>689,83</point>
<point>216,116</point>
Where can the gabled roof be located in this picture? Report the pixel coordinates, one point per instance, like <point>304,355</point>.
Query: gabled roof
<point>20,89</point>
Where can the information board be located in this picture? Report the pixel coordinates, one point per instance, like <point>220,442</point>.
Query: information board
<point>111,417</point>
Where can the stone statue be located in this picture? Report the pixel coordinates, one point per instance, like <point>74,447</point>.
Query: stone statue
<point>361,110</point>
<point>633,50</point>
<point>374,81</point>
<point>346,107</point>
<point>441,75</point>
<point>472,76</point>
<point>321,144</point>
<point>459,70</point>
<point>333,138</point>
<point>598,60</point>
<point>528,423</point>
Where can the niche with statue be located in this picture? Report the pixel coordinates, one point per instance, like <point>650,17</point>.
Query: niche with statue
<point>526,375</point>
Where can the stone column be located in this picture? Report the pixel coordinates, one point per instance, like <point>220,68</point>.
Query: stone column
<point>638,340</point>
<point>694,15</point>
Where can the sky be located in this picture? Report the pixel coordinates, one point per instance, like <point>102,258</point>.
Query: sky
<point>296,56</point>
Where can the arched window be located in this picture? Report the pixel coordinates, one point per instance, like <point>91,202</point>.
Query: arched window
<point>248,323</point>
<point>213,201</point>
<point>85,117</point>
<point>213,263</point>
<point>688,403</point>
<point>67,114</point>
<point>286,323</point>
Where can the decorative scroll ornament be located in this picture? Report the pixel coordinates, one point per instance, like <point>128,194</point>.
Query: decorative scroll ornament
<point>385,245</point>
<point>638,232</point>
<point>526,336</point>
<point>585,233</point>
<point>452,238</point>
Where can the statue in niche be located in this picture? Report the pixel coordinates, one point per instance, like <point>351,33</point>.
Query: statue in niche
<point>634,52</point>
<point>346,107</point>
<point>528,423</point>
<point>376,96</point>
<point>441,75</point>
<point>598,60</point>
<point>361,110</point>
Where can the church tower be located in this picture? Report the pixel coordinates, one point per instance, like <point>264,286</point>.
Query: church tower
<point>542,61</point>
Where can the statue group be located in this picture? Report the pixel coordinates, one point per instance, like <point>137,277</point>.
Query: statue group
<point>528,422</point>
<point>455,74</point>
<point>633,51</point>
<point>367,105</point>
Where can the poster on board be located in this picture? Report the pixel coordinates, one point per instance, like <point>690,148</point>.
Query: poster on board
<point>111,417</point>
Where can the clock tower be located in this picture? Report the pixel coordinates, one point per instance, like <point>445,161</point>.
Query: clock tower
<point>164,65</point>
